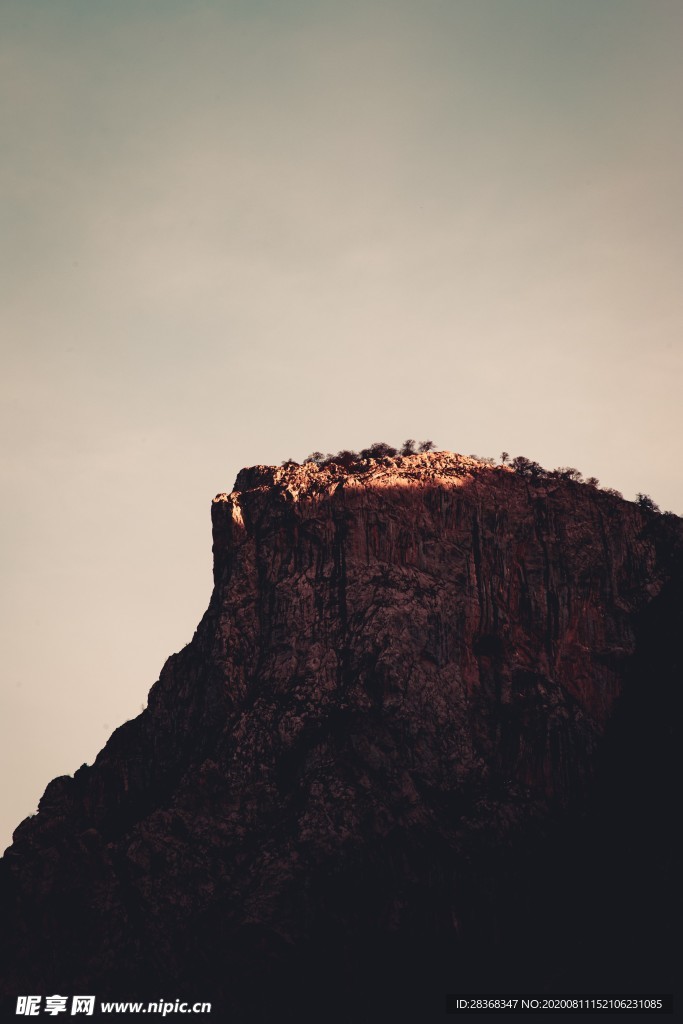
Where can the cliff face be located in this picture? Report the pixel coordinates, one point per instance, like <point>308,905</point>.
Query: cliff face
<point>386,758</point>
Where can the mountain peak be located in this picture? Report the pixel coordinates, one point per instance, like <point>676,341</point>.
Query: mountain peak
<point>385,759</point>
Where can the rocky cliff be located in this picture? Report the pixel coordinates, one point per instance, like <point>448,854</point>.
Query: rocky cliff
<point>421,741</point>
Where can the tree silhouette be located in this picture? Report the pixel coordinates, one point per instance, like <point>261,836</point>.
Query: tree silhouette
<point>346,458</point>
<point>645,502</point>
<point>568,473</point>
<point>378,450</point>
<point>527,467</point>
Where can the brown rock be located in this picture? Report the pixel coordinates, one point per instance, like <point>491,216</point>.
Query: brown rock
<point>394,733</point>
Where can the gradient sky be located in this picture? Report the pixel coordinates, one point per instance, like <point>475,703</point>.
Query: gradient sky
<point>234,232</point>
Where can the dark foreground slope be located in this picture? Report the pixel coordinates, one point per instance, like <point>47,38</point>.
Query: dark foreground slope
<point>421,741</point>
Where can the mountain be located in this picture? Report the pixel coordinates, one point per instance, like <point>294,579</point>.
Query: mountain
<point>421,741</point>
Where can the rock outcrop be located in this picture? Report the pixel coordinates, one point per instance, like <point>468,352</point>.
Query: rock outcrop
<point>420,742</point>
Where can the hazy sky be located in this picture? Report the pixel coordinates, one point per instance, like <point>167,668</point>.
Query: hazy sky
<point>234,232</point>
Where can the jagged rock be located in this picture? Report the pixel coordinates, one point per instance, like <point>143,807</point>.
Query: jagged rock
<point>391,762</point>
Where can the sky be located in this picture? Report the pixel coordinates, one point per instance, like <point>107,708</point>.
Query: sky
<point>235,232</point>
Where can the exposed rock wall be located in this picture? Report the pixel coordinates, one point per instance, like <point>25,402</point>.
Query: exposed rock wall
<point>394,712</point>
